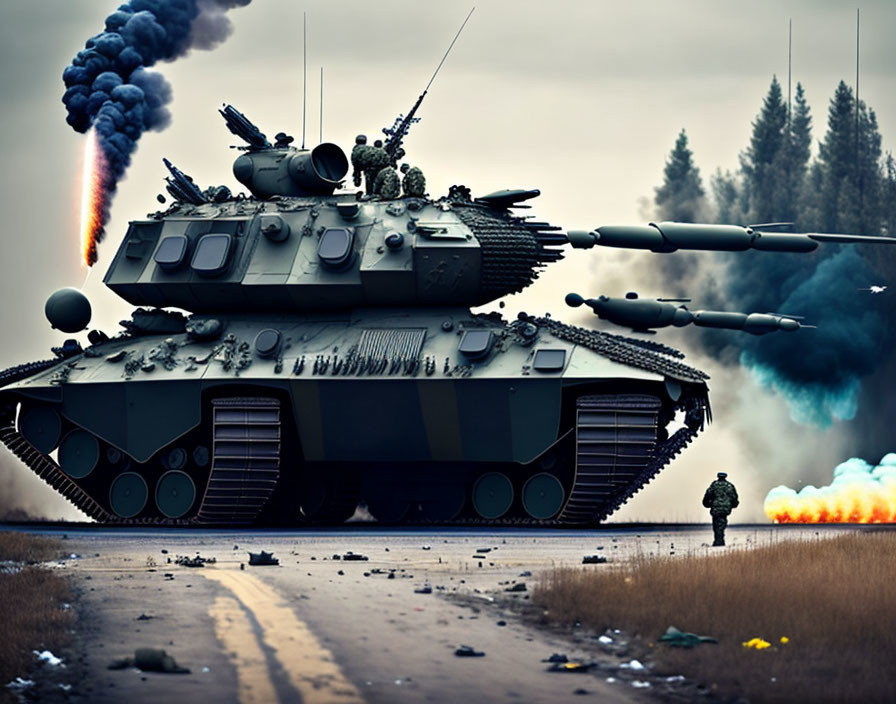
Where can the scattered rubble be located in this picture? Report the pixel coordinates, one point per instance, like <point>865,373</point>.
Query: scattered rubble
<point>197,561</point>
<point>260,559</point>
<point>594,560</point>
<point>466,651</point>
<point>150,660</point>
<point>680,639</point>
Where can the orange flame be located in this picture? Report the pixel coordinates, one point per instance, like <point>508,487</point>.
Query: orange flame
<point>859,493</point>
<point>93,198</point>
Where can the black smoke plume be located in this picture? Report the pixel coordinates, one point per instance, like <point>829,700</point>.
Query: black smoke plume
<point>109,88</point>
<point>824,373</point>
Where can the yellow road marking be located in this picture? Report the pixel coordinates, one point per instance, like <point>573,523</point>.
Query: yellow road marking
<point>234,630</point>
<point>310,667</point>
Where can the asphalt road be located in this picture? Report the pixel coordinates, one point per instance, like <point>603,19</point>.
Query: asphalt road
<point>316,629</point>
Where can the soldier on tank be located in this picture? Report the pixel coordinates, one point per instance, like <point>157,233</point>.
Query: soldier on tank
<point>358,160</point>
<point>371,160</point>
<point>387,184</point>
<point>413,183</point>
<point>720,498</point>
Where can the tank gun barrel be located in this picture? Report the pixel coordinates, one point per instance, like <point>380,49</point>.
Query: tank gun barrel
<point>672,236</point>
<point>181,186</point>
<point>646,315</point>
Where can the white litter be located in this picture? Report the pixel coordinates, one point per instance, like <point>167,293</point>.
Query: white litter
<point>675,678</point>
<point>605,640</point>
<point>611,680</point>
<point>48,657</point>
<point>633,665</point>
<point>65,687</point>
<point>640,684</point>
<point>18,684</point>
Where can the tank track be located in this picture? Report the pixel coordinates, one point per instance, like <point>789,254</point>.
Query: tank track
<point>245,460</point>
<point>45,468</point>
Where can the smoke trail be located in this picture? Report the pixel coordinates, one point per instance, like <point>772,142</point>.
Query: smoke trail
<point>859,493</point>
<point>108,86</point>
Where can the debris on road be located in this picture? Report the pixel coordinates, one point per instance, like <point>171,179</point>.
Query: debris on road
<point>197,561</point>
<point>48,658</point>
<point>483,550</point>
<point>259,559</point>
<point>144,617</point>
<point>557,657</point>
<point>150,660</point>
<point>632,665</point>
<point>19,684</point>
<point>518,587</point>
<point>525,573</point>
<point>425,589</point>
<point>594,560</point>
<point>680,639</point>
<point>466,651</point>
<point>575,667</point>
<point>354,557</point>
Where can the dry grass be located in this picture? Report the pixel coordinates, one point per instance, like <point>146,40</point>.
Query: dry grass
<point>834,599</point>
<point>22,547</point>
<point>31,613</point>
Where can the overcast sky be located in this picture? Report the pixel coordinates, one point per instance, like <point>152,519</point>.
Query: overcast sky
<point>580,99</point>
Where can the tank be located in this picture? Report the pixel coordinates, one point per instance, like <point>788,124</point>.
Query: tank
<point>306,350</point>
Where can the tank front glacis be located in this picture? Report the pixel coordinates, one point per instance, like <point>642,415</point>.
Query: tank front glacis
<point>329,360</point>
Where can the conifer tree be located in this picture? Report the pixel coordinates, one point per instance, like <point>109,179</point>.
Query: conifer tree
<point>792,162</point>
<point>681,197</point>
<point>849,196</point>
<point>761,162</point>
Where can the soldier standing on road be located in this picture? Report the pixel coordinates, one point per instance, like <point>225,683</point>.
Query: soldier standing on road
<point>720,498</point>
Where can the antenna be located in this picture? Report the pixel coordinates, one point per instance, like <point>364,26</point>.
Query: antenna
<point>858,174</point>
<point>321,139</point>
<point>789,65</point>
<point>304,71</point>
<point>449,51</point>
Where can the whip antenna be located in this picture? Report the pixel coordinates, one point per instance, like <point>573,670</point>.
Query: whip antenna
<point>450,46</point>
<point>304,71</point>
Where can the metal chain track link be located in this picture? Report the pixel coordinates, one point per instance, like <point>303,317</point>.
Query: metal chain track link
<point>245,459</point>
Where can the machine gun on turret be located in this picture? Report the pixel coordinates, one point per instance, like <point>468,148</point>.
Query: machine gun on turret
<point>396,133</point>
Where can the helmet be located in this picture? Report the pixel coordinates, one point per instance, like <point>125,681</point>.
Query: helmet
<point>722,475</point>
<point>361,139</point>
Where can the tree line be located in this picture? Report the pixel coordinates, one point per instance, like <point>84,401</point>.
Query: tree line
<point>848,187</point>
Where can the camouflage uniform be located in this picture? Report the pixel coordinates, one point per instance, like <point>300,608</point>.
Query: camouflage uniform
<point>357,159</point>
<point>387,184</point>
<point>720,498</point>
<point>372,160</point>
<point>413,183</point>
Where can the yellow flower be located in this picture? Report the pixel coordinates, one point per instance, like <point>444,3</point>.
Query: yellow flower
<point>756,643</point>
<point>785,639</point>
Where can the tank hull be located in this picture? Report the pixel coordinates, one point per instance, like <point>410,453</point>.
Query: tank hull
<point>422,416</point>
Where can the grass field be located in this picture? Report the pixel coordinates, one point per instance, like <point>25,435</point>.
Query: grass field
<point>31,613</point>
<point>833,599</point>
